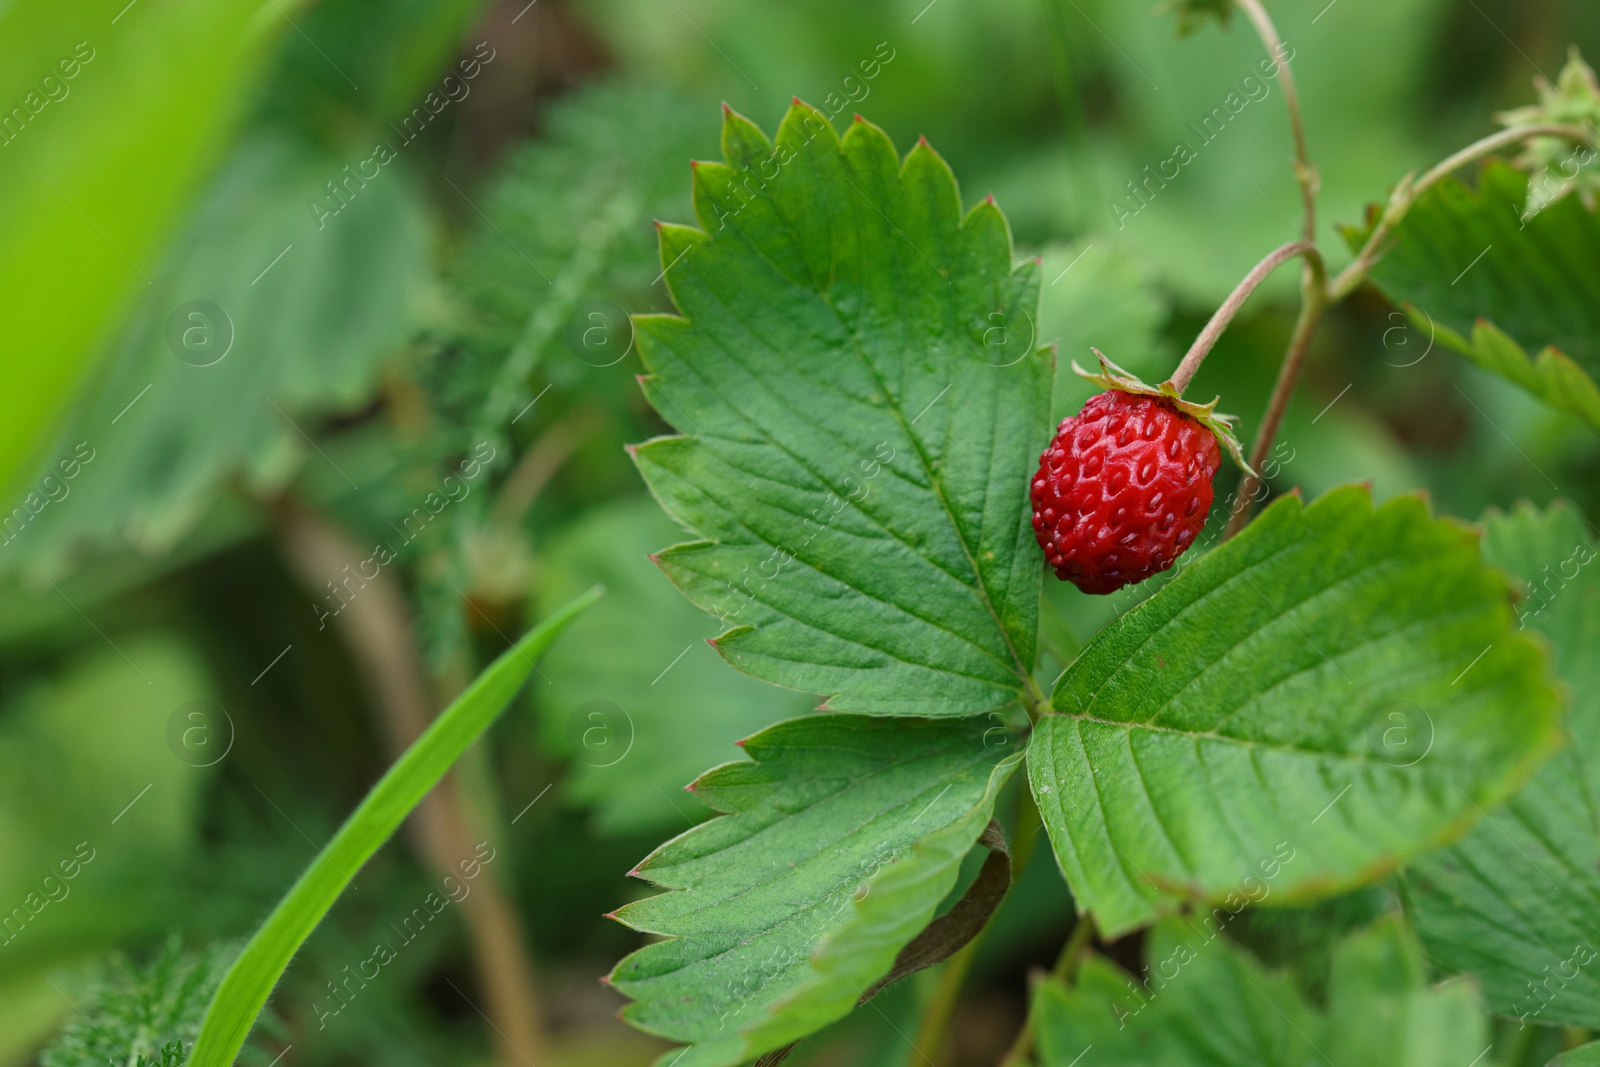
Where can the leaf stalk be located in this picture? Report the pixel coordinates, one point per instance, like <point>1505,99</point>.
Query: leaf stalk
<point>1314,302</point>
<point>1305,172</point>
<point>1065,970</point>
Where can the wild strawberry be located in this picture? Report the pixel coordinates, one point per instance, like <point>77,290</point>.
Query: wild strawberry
<point>1123,489</point>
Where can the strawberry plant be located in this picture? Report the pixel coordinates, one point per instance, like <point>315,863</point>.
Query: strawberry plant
<point>860,401</point>
<point>1012,644</point>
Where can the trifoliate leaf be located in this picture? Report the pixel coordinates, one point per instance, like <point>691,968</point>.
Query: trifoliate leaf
<point>1517,901</point>
<point>840,838</point>
<point>861,399</point>
<point>1204,1002</point>
<point>1477,276</point>
<point>1339,681</point>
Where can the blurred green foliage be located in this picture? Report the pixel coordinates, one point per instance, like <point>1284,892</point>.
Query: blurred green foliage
<point>474,291</point>
<point>111,126</point>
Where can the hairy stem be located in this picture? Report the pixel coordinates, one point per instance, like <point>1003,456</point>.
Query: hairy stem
<point>1407,193</point>
<point>1025,838</point>
<point>375,627</point>
<point>1065,969</point>
<point>1317,295</point>
<point>1035,701</point>
<point>1313,302</point>
<point>1494,142</point>
<point>1073,951</point>
<point>540,463</point>
<point>1304,172</point>
<point>1230,307</point>
<point>1314,285</point>
<point>934,1029</point>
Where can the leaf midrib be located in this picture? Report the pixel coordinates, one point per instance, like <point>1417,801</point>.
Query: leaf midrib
<point>893,407</point>
<point>742,891</point>
<point>1105,683</point>
<point>1365,759</point>
<point>892,404</point>
<point>763,435</point>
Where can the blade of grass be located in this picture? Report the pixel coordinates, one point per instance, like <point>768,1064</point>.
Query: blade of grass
<point>251,979</point>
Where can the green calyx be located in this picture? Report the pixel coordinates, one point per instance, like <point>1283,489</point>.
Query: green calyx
<point>1112,376</point>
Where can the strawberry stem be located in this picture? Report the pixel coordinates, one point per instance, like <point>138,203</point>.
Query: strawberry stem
<point>1313,302</point>
<point>1317,293</point>
<point>1314,296</point>
<point>1230,307</point>
<point>1304,172</point>
<point>1407,192</point>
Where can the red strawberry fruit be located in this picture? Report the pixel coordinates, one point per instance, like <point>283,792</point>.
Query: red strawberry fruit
<point>1123,489</point>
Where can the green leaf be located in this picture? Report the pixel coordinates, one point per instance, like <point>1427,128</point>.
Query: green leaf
<point>1208,1003</point>
<point>250,981</point>
<point>1324,696</point>
<point>1516,901</point>
<point>636,727</point>
<point>1382,1008</point>
<point>1582,1056</point>
<point>1520,297</point>
<point>269,315</point>
<point>839,840</point>
<point>98,865</point>
<point>565,222</point>
<point>143,1015</point>
<point>1204,1002</point>
<point>99,171</point>
<point>856,378</point>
